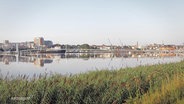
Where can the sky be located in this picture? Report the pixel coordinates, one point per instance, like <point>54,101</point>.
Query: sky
<point>93,21</point>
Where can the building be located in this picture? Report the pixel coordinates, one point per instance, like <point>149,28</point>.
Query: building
<point>48,43</point>
<point>104,47</point>
<point>168,47</point>
<point>7,46</point>
<point>1,45</point>
<point>6,42</point>
<point>152,47</point>
<point>30,44</point>
<point>180,47</point>
<point>39,41</point>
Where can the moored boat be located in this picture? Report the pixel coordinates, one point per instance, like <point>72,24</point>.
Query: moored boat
<point>54,50</point>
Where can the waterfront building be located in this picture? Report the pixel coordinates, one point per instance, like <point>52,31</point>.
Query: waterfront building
<point>7,46</point>
<point>1,44</point>
<point>168,47</point>
<point>104,47</point>
<point>48,43</point>
<point>6,42</point>
<point>30,44</point>
<point>180,47</point>
<point>39,41</point>
<point>152,47</point>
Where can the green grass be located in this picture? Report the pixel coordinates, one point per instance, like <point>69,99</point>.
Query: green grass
<point>156,84</point>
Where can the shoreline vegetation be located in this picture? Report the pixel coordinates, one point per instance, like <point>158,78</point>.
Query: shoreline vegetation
<point>155,84</point>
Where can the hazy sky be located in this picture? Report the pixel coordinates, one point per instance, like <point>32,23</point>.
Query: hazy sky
<point>93,21</point>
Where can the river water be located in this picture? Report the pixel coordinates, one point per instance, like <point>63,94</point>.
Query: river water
<point>66,64</point>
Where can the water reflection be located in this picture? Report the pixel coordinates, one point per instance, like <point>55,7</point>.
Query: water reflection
<point>6,59</point>
<point>79,63</point>
<point>41,59</point>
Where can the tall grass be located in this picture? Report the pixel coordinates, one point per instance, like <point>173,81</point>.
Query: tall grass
<point>156,84</point>
<point>170,92</point>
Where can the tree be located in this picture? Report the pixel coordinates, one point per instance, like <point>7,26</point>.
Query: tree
<point>84,46</point>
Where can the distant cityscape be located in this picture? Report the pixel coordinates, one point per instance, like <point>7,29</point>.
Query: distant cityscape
<point>30,51</point>
<point>39,43</point>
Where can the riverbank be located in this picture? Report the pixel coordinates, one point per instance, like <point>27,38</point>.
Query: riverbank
<point>161,84</point>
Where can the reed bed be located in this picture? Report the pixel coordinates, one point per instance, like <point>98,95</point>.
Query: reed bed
<point>155,84</point>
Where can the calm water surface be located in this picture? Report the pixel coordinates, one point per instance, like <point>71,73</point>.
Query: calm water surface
<point>76,63</point>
